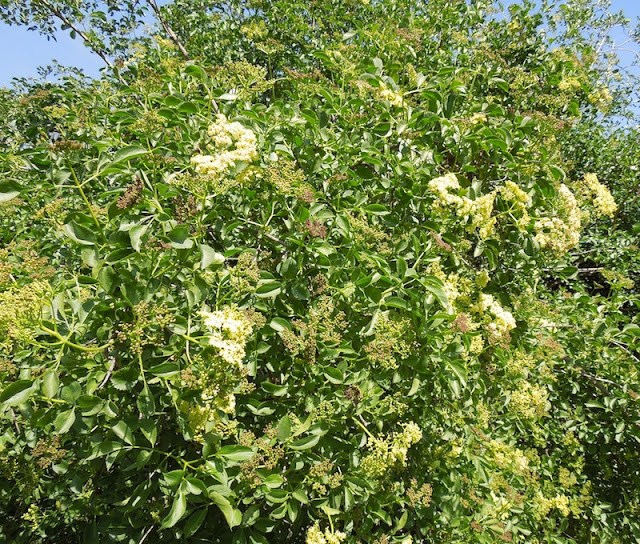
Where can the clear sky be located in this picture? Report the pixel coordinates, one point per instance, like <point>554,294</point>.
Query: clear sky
<point>24,51</point>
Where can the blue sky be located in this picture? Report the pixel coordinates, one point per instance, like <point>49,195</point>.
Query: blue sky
<point>24,51</point>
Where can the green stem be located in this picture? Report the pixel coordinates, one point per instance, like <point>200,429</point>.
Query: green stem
<point>363,428</point>
<point>84,197</point>
<point>66,341</point>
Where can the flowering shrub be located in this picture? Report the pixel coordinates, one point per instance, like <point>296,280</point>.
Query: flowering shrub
<point>327,283</point>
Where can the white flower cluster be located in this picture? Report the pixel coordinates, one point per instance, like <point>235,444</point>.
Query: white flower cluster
<point>234,144</point>
<point>393,97</point>
<point>446,187</point>
<point>502,320</point>
<point>229,330</point>
<point>316,536</point>
<point>562,233</point>
<point>594,193</point>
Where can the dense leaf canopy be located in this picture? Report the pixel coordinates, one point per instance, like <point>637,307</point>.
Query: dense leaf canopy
<point>322,272</point>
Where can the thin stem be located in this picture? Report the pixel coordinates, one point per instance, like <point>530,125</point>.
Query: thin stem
<point>84,197</point>
<point>362,426</point>
<point>66,341</point>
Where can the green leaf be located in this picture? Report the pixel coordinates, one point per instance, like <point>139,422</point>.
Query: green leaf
<point>174,477</point>
<point>300,495</point>
<point>459,371</point>
<point>210,256</point>
<point>376,209</point>
<point>178,509</point>
<point>179,237</point>
<point>8,190</point>
<point>50,384</point>
<point>195,521</point>
<point>396,302</point>
<point>135,235</point>
<point>64,421</point>
<point>146,402</point>
<point>79,233</point>
<point>274,389</point>
<point>165,370</point>
<point>279,324</point>
<point>197,72</point>
<point>269,288</point>
<point>236,452</point>
<point>123,431</point>
<point>231,514</point>
<point>128,153</point>
<point>435,286</point>
<point>305,443</point>
<point>17,392</point>
<point>334,375</point>
<point>284,428</point>
<point>125,378</point>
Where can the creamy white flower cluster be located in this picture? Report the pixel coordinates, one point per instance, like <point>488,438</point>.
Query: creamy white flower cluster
<point>316,536</point>
<point>228,332</point>
<point>561,233</point>
<point>529,401</point>
<point>446,188</point>
<point>593,193</point>
<point>502,320</point>
<point>234,144</point>
<point>393,97</point>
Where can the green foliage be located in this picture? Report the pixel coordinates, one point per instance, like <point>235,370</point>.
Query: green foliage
<point>345,277</point>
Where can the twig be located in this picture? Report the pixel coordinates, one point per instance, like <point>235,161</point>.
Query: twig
<point>144,537</point>
<point>595,380</point>
<point>102,54</point>
<point>168,29</point>
<point>591,270</point>
<point>112,365</point>
<point>15,420</point>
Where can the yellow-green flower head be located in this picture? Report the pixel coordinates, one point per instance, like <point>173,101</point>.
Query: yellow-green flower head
<point>561,233</point>
<point>597,194</point>
<point>529,401</point>
<point>20,309</point>
<point>387,453</point>
<point>445,188</point>
<point>316,536</point>
<point>393,97</point>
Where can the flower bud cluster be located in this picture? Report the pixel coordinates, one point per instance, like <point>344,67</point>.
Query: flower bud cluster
<point>20,310</point>
<point>316,536</point>
<point>390,452</point>
<point>595,195</point>
<point>529,401</point>
<point>390,342</point>
<point>561,233</point>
